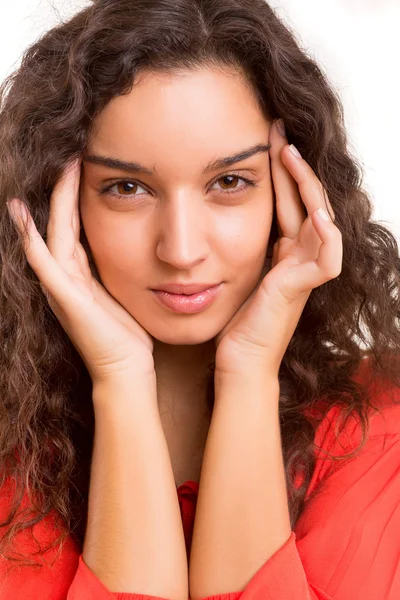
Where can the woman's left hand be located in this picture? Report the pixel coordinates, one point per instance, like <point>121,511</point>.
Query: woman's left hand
<point>307,254</point>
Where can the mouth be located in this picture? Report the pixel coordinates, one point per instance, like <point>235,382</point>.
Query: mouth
<point>188,303</point>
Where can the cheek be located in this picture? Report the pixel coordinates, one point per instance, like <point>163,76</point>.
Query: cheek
<point>118,255</point>
<point>244,238</point>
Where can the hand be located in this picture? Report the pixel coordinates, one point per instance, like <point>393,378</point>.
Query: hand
<point>106,336</point>
<point>307,254</point>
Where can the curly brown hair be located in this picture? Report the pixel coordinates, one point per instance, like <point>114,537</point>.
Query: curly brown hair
<point>48,106</point>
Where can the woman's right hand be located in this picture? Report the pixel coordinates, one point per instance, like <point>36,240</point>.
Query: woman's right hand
<point>109,340</point>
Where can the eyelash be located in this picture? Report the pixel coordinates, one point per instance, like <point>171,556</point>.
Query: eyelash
<point>248,183</point>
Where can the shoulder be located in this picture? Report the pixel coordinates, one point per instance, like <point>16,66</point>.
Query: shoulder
<point>383,416</point>
<point>347,533</point>
<point>339,435</point>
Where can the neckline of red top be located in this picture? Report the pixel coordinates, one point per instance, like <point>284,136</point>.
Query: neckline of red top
<point>188,488</point>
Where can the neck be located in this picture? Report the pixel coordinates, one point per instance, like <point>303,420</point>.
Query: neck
<point>183,370</point>
<point>182,376</point>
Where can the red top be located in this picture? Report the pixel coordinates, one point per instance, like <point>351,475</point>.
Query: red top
<point>345,545</point>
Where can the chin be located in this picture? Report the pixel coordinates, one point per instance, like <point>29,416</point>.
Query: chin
<point>183,333</point>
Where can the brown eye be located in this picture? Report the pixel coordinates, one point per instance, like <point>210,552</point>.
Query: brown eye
<point>129,189</point>
<point>228,180</point>
<point>229,183</point>
<point>126,187</point>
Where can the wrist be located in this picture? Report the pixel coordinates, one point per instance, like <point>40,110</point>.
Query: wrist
<point>125,373</point>
<point>128,390</point>
<point>248,372</point>
<point>249,387</point>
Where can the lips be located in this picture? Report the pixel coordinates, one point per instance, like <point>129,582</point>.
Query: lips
<point>185,289</point>
<point>190,304</point>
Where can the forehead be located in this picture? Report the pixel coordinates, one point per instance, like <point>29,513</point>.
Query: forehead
<point>203,112</point>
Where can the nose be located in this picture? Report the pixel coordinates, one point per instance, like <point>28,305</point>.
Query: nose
<point>183,231</point>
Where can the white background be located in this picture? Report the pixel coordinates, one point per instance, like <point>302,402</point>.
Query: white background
<point>355,41</point>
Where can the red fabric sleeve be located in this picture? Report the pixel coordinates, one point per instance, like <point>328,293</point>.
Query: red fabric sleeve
<point>86,586</point>
<point>346,542</point>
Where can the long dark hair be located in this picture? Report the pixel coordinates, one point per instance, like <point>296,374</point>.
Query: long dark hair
<point>47,107</point>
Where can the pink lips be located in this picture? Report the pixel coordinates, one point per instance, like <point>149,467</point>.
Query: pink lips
<point>188,304</point>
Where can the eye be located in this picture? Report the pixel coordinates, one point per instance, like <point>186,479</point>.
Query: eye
<point>128,189</point>
<point>231,178</point>
<point>124,189</point>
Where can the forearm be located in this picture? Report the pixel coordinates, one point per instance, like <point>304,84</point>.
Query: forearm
<point>242,515</point>
<point>134,540</point>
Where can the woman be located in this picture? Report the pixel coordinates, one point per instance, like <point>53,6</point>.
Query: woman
<point>156,145</point>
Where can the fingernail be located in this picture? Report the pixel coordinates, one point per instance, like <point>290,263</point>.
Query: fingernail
<point>294,151</point>
<point>323,214</point>
<point>280,125</point>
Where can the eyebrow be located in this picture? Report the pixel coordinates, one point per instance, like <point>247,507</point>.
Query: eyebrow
<point>135,167</point>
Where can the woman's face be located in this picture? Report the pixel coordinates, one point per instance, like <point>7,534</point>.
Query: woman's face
<point>179,223</point>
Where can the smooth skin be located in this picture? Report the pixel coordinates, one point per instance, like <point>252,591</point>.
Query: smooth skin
<point>184,228</point>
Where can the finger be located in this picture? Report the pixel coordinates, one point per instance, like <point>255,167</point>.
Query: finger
<point>48,271</point>
<point>289,205</point>
<point>326,266</point>
<point>312,192</point>
<point>63,227</point>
